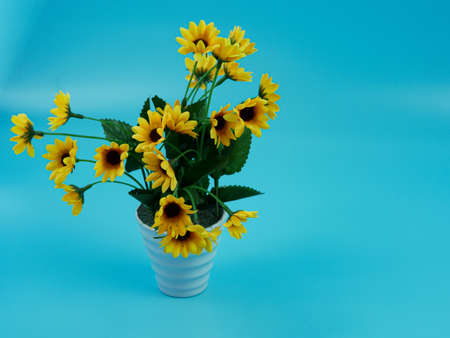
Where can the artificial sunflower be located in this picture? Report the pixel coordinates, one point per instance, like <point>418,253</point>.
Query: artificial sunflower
<point>162,172</point>
<point>198,39</point>
<point>149,132</point>
<point>173,216</point>
<point>226,51</point>
<point>110,160</point>
<point>211,236</point>
<point>233,72</point>
<point>74,196</point>
<point>236,36</point>
<point>178,121</point>
<point>62,157</point>
<point>234,222</point>
<point>61,112</point>
<point>267,92</point>
<point>23,128</point>
<point>193,241</point>
<point>202,70</point>
<point>222,124</point>
<point>252,114</point>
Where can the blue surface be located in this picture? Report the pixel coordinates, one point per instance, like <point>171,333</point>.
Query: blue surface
<point>352,239</point>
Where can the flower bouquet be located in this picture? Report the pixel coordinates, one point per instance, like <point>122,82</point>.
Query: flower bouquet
<point>181,150</point>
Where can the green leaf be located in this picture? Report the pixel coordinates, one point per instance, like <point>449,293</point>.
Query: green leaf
<point>196,110</point>
<point>197,195</point>
<point>145,109</point>
<point>214,161</point>
<point>134,161</point>
<point>158,102</point>
<point>149,198</point>
<point>182,141</point>
<point>204,182</point>
<point>121,133</point>
<point>235,192</point>
<point>236,155</point>
<point>117,131</point>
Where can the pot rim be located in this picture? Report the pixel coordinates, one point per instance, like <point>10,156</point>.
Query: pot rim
<point>219,223</point>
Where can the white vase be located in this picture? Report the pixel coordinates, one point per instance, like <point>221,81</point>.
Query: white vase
<point>179,277</point>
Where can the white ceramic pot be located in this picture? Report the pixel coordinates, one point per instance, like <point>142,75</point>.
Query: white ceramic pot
<point>179,277</point>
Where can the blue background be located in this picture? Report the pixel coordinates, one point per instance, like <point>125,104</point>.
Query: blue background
<point>352,239</point>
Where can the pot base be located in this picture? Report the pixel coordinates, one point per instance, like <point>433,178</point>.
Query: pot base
<point>181,293</point>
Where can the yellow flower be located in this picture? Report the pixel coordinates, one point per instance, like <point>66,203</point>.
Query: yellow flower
<point>222,123</point>
<point>204,64</point>
<point>211,236</point>
<point>61,112</point>
<point>177,121</point>
<point>226,51</point>
<point>162,174</point>
<point>198,39</point>
<point>233,72</point>
<point>252,115</point>
<point>267,92</point>
<point>193,241</point>
<point>110,160</point>
<point>236,36</point>
<point>234,222</point>
<point>173,216</point>
<point>149,133</point>
<point>74,196</point>
<point>23,128</point>
<point>62,157</point>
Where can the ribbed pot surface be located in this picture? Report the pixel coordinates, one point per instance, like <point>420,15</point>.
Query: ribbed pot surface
<point>178,277</point>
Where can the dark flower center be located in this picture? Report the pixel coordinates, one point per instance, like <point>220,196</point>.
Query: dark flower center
<point>247,113</point>
<point>63,157</point>
<point>113,157</point>
<point>204,42</point>
<point>154,136</point>
<point>220,122</point>
<point>185,237</point>
<point>172,210</point>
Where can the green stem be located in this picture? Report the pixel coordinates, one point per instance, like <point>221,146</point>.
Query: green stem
<point>117,182</point>
<point>193,204</point>
<point>143,176</point>
<point>195,93</point>
<point>219,64</point>
<point>124,183</point>
<point>202,139</point>
<point>175,147</point>
<point>187,151</point>
<point>89,186</point>
<point>190,80</point>
<point>81,116</point>
<point>228,210</point>
<point>134,179</point>
<point>42,133</point>
<point>199,81</point>
<point>91,118</point>
<point>130,176</point>
<point>82,160</point>
<point>222,80</point>
<point>216,191</point>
